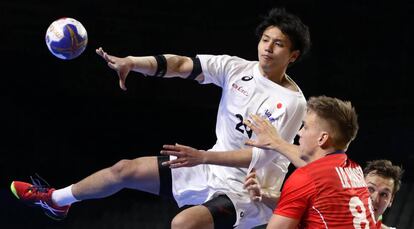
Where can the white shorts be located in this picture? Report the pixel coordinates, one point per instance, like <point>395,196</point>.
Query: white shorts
<point>198,184</point>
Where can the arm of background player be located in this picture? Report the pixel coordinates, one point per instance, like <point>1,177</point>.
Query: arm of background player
<point>268,138</point>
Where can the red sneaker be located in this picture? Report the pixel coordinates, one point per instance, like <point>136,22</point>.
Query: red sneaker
<point>39,195</point>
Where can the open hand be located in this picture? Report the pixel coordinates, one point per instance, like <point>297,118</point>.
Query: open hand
<point>186,156</point>
<point>122,66</point>
<point>266,133</point>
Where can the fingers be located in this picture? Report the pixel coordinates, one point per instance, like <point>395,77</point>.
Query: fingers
<point>179,165</point>
<point>174,150</point>
<point>176,163</point>
<point>259,124</point>
<point>248,124</point>
<point>99,51</point>
<point>111,61</point>
<point>171,147</point>
<point>104,55</point>
<point>256,122</point>
<point>171,153</point>
<point>176,147</point>
<point>122,84</point>
<point>252,174</point>
<point>250,143</point>
<point>183,146</point>
<point>253,188</point>
<point>248,184</point>
<point>254,192</point>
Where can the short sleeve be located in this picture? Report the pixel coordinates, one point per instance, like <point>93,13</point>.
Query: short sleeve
<point>217,68</point>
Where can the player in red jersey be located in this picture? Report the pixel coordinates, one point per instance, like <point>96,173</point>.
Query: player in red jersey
<point>329,191</point>
<point>383,179</point>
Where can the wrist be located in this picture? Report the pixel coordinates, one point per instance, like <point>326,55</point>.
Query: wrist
<point>276,144</point>
<point>130,62</point>
<point>204,157</point>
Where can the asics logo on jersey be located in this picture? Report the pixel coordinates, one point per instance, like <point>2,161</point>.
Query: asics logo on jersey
<point>240,89</point>
<point>247,78</point>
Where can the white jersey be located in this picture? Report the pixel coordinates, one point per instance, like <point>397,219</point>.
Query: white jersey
<point>245,91</point>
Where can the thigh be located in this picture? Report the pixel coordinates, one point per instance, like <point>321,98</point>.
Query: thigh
<point>195,217</point>
<point>222,211</point>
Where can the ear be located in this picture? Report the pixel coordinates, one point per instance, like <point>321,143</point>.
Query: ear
<point>295,54</point>
<point>323,139</point>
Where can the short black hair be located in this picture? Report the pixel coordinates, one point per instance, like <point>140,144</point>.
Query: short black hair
<point>289,24</point>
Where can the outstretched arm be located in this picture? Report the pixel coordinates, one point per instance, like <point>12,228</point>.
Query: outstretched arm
<point>188,156</point>
<point>269,138</point>
<point>175,66</point>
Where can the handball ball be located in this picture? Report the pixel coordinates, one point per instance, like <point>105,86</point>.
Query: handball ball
<point>66,38</point>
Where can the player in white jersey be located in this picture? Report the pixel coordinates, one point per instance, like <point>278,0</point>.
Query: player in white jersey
<point>258,87</point>
<point>245,91</point>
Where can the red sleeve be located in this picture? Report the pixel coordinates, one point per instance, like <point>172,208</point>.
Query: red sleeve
<point>297,194</point>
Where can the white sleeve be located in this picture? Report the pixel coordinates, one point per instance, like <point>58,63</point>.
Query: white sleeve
<point>258,156</point>
<point>217,69</point>
<point>271,168</point>
<point>261,157</point>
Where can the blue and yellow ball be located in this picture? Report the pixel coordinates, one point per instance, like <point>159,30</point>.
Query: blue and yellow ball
<point>66,38</point>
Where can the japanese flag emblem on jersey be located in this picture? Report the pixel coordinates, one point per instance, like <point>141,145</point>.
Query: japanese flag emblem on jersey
<point>274,112</point>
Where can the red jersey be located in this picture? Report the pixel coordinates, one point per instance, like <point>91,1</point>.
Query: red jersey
<point>328,193</point>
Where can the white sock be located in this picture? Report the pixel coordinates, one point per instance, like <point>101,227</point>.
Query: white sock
<point>63,197</point>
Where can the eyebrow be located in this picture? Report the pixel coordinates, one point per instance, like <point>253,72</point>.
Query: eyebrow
<point>386,189</point>
<point>276,39</point>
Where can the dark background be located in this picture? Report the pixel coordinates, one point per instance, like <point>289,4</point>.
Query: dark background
<point>67,119</point>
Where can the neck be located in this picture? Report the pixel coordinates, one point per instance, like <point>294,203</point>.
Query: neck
<point>336,152</point>
<point>275,75</point>
<point>318,154</point>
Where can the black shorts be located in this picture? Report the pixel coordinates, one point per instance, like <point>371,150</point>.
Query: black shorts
<point>221,208</point>
<point>165,178</point>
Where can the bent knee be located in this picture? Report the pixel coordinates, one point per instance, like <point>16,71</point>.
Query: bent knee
<point>123,169</point>
<point>179,222</point>
<point>139,168</point>
<point>198,217</point>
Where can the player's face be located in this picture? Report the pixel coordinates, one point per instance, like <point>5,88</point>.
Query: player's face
<point>274,49</point>
<point>309,135</point>
<point>381,190</point>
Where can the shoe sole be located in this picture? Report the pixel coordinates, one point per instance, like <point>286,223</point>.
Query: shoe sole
<point>50,215</point>
<point>13,190</point>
